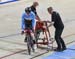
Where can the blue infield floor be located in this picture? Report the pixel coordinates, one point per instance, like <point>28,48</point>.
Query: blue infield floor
<point>67,54</point>
<point>8,1</point>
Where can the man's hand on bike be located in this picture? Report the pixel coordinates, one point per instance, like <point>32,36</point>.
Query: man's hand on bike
<point>22,32</point>
<point>52,23</point>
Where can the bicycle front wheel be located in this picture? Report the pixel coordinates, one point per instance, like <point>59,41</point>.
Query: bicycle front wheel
<point>28,44</point>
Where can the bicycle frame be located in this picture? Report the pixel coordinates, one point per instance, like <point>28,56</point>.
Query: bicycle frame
<point>28,31</point>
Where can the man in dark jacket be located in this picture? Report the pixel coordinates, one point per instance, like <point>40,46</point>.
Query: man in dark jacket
<point>59,26</point>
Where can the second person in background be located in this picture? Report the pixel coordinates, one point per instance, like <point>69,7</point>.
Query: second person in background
<point>33,9</point>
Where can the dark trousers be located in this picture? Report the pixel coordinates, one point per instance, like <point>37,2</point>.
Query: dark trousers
<point>59,40</point>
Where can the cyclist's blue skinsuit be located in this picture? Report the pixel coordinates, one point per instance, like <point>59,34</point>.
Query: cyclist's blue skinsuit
<point>31,16</point>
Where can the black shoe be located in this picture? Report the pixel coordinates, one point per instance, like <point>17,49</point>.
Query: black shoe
<point>25,40</point>
<point>64,49</point>
<point>58,50</point>
<point>34,41</point>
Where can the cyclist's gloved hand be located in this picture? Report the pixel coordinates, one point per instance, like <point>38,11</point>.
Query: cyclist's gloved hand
<point>22,32</point>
